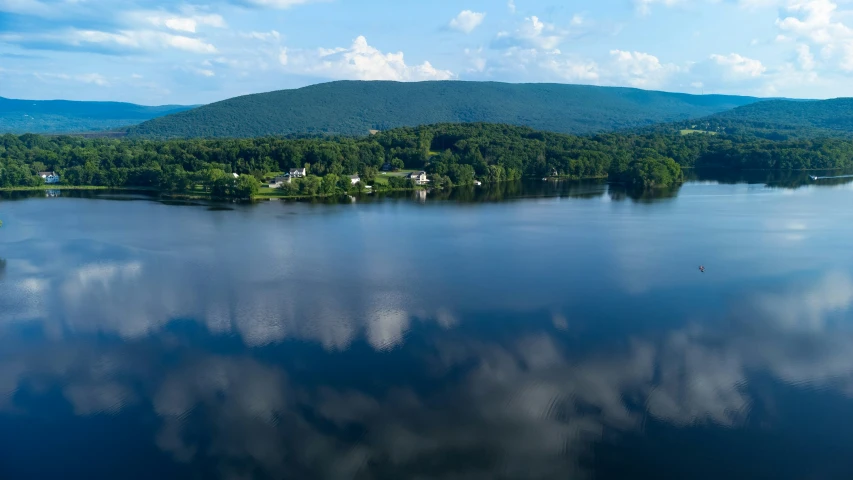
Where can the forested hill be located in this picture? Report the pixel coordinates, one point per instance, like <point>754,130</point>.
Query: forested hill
<point>63,116</point>
<point>781,119</point>
<point>354,108</point>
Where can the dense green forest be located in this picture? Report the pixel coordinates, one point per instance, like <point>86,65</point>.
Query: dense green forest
<point>777,120</point>
<point>354,108</point>
<point>62,116</point>
<point>452,154</point>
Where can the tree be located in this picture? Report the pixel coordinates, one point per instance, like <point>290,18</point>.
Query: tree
<point>246,187</point>
<point>652,173</point>
<point>330,184</point>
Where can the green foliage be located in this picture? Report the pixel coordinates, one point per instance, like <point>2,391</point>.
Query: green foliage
<point>778,120</point>
<point>652,172</point>
<point>488,152</point>
<point>354,108</point>
<point>57,116</point>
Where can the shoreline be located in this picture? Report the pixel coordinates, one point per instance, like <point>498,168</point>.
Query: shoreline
<point>186,195</point>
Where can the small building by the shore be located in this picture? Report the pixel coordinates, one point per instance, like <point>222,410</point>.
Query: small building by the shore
<point>278,181</point>
<point>419,178</point>
<point>49,177</point>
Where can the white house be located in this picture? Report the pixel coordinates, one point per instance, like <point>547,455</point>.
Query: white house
<point>49,177</point>
<point>419,177</point>
<point>354,179</point>
<point>298,172</point>
<point>236,175</point>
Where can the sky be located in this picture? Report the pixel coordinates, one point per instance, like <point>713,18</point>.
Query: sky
<point>158,52</point>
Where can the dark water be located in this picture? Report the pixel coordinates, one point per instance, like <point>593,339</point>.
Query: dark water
<point>565,334</point>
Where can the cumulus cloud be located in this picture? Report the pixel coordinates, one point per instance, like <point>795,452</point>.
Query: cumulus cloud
<point>815,22</point>
<point>530,33</point>
<point>640,69</point>
<point>360,61</point>
<point>805,57</point>
<point>737,66</point>
<point>467,21</point>
<point>818,23</point>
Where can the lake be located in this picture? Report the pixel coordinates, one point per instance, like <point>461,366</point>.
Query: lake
<point>528,331</point>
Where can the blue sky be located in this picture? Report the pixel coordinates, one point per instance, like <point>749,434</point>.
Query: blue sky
<point>158,52</point>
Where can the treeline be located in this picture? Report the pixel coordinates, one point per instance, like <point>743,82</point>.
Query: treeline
<point>776,120</point>
<point>452,154</point>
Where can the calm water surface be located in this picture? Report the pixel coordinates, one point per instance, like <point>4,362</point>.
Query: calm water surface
<point>565,334</point>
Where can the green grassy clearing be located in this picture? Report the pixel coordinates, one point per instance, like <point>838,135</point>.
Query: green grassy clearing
<point>398,173</point>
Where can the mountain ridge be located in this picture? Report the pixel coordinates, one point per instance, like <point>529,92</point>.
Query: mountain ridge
<point>63,116</point>
<point>356,107</point>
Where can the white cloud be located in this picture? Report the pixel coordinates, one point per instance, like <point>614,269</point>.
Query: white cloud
<point>26,7</point>
<point>756,4</point>
<point>186,24</point>
<point>511,6</point>
<point>571,69</point>
<point>640,69</point>
<point>532,32</point>
<point>805,57</point>
<point>140,39</point>
<point>360,62</point>
<point>738,67</point>
<point>644,6</point>
<point>577,19</point>
<point>90,78</point>
<point>816,21</point>
<point>270,36</point>
<point>279,4</point>
<point>94,78</point>
<point>467,21</point>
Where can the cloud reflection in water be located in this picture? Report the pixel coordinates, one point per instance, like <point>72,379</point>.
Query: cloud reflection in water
<point>528,407</point>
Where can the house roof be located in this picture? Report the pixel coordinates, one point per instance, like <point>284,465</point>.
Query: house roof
<point>47,173</point>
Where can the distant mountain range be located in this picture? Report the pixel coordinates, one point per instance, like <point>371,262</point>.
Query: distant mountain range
<point>63,116</point>
<point>355,108</point>
<point>780,119</point>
